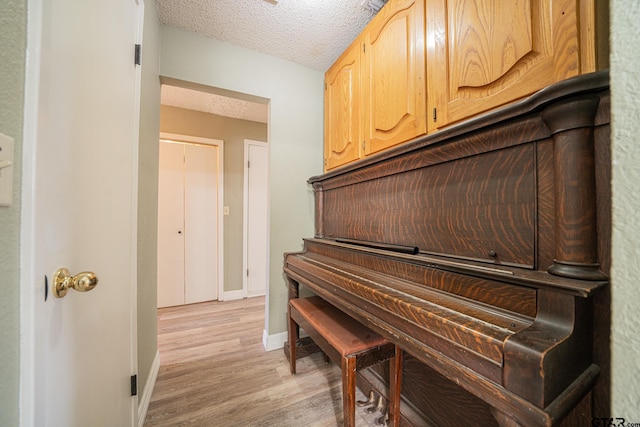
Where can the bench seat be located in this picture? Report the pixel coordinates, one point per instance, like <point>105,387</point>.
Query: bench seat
<point>349,344</point>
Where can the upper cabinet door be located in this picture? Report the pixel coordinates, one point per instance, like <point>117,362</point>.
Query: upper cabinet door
<point>342,121</point>
<point>485,53</point>
<point>393,75</point>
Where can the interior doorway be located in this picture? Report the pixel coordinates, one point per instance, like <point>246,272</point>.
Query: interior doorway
<point>190,232</point>
<point>188,108</point>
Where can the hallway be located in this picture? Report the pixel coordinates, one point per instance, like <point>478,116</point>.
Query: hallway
<point>214,371</point>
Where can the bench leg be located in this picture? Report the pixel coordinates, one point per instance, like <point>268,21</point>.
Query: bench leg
<point>395,387</point>
<point>349,391</point>
<point>293,340</point>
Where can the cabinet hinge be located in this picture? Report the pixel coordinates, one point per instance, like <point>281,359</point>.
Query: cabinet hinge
<point>435,114</point>
<point>364,145</point>
<point>134,385</point>
<point>137,58</point>
<point>247,272</point>
<point>364,48</point>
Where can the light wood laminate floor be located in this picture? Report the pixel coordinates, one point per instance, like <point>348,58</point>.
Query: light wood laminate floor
<point>214,371</point>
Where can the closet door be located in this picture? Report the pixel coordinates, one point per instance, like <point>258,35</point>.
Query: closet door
<point>257,217</point>
<point>201,223</point>
<point>187,224</point>
<point>171,225</point>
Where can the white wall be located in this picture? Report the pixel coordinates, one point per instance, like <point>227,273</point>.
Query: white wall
<point>625,274</point>
<point>295,134</point>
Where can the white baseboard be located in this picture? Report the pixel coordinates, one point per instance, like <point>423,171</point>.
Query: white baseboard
<point>275,341</point>
<point>232,295</point>
<point>256,294</point>
<point>143,403</point>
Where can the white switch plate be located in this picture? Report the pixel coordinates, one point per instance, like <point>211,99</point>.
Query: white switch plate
<point>225,210</point>
<point>6,170</point>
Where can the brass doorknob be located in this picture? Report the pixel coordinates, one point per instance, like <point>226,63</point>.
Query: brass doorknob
<point>81,282</point>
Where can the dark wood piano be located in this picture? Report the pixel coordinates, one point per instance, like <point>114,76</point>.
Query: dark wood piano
<point>483,252</point>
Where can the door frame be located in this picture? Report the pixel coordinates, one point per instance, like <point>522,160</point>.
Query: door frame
<point>28,289</point>
<point>245,219</point>
<point>220,144</point>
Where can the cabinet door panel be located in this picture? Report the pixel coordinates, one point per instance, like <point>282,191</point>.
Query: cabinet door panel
<point>496,52</point>
<point>491,39</point>
<point>342,109</point>
<point>393,76</point>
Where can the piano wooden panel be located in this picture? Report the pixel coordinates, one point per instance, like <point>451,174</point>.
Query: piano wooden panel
<point>446,208</point>
<point>431,399</point>
<point>483,251</point>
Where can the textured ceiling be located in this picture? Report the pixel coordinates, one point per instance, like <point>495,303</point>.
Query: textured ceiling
<point>213,104</point>
<point>312,33</point>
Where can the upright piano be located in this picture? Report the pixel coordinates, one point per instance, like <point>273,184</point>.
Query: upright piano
<point>483,251</point>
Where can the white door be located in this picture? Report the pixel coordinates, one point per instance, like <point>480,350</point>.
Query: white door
<point>79,212</point>
<point>256,217</point>
<point>171,225</point>
<point>188,241</point>
<point>201,223</point>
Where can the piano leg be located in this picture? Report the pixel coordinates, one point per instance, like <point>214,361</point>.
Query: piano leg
<point>294,329</point>
<point>503,419</point>
<point>294,334</point>
<point>294,288</point>
<point>395,388</point>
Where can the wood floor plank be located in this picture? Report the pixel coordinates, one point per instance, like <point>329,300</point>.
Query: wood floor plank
<point>214,371</point>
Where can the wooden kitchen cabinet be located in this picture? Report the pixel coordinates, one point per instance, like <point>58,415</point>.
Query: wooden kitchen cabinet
<point>375,91</point>
<point>342,104</point>
<point>393,76</point>
<point>421,65</point>
<point>485,53</point>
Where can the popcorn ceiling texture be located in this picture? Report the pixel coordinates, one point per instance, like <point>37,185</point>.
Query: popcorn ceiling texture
<point>214,104</point>
<point>312,33</point>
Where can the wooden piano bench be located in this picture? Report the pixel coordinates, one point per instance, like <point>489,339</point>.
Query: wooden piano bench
<point>349,344</point>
